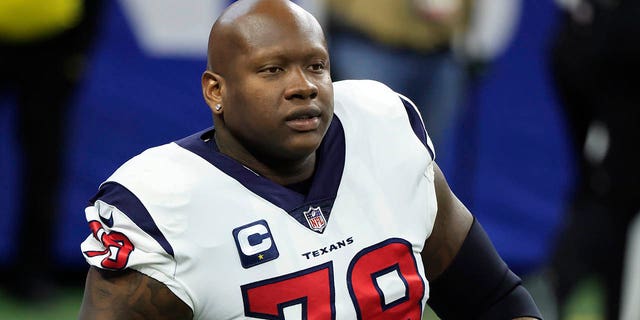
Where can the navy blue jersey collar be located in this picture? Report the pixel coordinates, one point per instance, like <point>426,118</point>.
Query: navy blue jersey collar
<point>330,160</point>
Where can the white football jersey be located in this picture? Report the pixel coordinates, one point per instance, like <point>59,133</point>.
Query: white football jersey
<point>234,245</point>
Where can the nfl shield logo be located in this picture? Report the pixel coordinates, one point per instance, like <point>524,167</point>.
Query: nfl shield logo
<point>315,218</point>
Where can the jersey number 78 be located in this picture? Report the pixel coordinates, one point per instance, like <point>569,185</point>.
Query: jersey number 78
<point>370,275</point>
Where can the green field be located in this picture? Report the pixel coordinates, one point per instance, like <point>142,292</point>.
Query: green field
<point>63,306</point>
<point>585,304</point>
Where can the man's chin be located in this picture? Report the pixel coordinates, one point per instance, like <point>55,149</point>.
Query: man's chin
<point>303,145</point>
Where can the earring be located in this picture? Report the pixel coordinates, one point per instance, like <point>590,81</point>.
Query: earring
<point>218,107</point>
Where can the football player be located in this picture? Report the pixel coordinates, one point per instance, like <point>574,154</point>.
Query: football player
<point>307,199</point>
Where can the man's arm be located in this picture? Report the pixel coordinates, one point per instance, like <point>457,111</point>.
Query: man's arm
<point>455,229</point>
<point>129,294</point>
<point>451,227</point>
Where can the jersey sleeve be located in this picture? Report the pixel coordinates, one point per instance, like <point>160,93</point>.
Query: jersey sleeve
<point>124,235</point>
<point>417,124</point>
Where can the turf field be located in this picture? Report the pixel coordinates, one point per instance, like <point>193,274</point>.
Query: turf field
<point>585,305</point>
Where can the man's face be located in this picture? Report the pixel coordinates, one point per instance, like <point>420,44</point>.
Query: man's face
<point>278,95</point>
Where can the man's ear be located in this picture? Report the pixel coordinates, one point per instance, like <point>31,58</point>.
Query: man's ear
<point>212,87</point>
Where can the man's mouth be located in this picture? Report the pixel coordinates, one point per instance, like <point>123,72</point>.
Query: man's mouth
<point>304,120</point>
<point>303,124</point>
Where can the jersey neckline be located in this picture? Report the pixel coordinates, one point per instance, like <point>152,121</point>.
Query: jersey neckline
<point>330,159</point>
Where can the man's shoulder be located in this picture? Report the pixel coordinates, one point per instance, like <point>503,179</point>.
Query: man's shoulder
<point>169,153</point>
<point>361,86</point>
<point>358,98</point>
<point>151,157</point>
<point>169,163</point>
<point>371,106</point>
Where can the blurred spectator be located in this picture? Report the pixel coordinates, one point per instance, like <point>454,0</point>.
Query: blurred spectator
<point>595,61</point>
<point>43,52</point>
<point>408,46</point>
<point>432,51</point>
<point>492,25</point>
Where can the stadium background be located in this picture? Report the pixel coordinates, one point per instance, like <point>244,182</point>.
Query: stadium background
<point>143,89</point>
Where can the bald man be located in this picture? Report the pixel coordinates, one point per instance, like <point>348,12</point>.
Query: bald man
<point>305,200</point>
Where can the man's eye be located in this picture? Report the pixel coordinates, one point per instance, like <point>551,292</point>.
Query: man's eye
<point>317,66</point>
<point>271,69</point>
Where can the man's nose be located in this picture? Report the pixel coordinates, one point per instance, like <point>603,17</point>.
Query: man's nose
<point>301,86</point>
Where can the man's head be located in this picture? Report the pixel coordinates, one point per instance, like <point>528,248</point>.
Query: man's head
<point>268,69</point>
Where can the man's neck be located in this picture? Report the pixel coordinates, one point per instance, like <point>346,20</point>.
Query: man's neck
<point>288,172</point>
<point>281,171</point>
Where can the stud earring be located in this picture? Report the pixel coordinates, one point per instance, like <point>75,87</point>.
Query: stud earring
<point>218,107</point>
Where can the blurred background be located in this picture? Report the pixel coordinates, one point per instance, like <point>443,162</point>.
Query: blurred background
<point>526,101</point>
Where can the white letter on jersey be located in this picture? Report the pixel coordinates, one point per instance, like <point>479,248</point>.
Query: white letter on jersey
<point>255,230</point>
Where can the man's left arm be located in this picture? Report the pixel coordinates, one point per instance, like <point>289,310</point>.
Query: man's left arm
<point>468,279</point>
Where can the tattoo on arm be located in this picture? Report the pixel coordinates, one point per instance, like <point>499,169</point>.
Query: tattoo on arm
<point>129,294</point>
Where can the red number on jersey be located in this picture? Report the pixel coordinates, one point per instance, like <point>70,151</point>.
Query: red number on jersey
<point>312,288</point>
<point>122,245</point>
<point>385,283</point>
<point>386,271</point>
